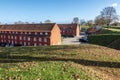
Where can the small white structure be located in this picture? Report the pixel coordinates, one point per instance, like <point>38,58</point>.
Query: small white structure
<point>98,28</point>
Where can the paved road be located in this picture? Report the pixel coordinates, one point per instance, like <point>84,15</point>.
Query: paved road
<point>73,40</point>
<point>69,40</point>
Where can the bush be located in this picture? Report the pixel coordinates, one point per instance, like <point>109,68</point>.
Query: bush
<point>103,40</point>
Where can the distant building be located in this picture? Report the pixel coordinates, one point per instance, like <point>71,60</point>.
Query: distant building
<point>69,30</point>
<point>30,34</point>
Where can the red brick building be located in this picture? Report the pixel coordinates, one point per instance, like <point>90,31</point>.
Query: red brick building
<point>30,34</point>
<point>69,29</point>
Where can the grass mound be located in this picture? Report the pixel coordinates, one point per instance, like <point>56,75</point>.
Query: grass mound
<point>84,62</point>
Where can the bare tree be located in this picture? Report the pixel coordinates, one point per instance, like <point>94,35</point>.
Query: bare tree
<point>99,20</point>
<point>109,14</point>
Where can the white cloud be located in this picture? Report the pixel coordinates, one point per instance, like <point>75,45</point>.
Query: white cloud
<point>114,5</point>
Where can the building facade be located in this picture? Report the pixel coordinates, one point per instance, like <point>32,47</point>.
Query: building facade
<point>69,30</point>
<point>30,34</point>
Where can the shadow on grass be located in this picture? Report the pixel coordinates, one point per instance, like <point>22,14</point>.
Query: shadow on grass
<point>16,59</point>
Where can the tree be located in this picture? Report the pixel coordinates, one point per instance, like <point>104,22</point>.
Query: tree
<point>75,20</point>
<point>82,22</point>
<point>90,23</point>
<point>109,14</point>
<point>48,21</point>
<point>99,20</point>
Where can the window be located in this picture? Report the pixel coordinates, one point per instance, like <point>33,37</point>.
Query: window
<point>20,37</point>
<point>4,36</point>
<point>40,39</point>
<point>35,44</point>
<point>24,38</point>
<point>28,43</point>
<point>12,42</point>
<point>15,37</point>
<point>34,38</point>
<point>45,39</point>
<point>8,37</point>
<point>41,33</point>
<point>20,42</point>
<point>11,37</point>
<point>29,32</point>
<point>46,33</point>
<point>24,43</point>
<point>35,33</point>
<point>9,41</point>
<point>28,38</point>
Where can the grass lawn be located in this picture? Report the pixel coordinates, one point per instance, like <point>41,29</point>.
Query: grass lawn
<point>75,62</point>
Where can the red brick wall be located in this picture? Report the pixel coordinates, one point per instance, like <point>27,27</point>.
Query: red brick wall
<point>31,41</point>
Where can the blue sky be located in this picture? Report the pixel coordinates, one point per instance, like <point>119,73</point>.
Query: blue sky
<point>60,11</point>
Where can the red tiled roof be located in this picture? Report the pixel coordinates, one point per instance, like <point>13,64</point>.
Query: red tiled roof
<point>28,27</point>
<point>67,26</point>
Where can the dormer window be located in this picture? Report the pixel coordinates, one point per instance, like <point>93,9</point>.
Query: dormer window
<point>35,33</point>
<point>29,32</point>
<point>25,32</point>
<point>46,33</point>
<point>41,33</point>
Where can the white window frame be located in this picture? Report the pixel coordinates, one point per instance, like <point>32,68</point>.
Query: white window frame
<point>35,39</point>
<point>24,43</point>
<point>24,38</point>
<point>45,39</point>
<point>15,37</point>
<point>29,32</point>
<point>40,44</point>
<point>40,39</point>
<point>28,38</point>
<point>35,44</point>
<point>46,33</point>
<point>20,37</point>
<point>28,43</point>
<point>11,37</point>
<point>41,33</point>
<point>35,33</point>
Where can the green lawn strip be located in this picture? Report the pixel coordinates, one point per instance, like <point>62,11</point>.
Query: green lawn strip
<point>42,71</point>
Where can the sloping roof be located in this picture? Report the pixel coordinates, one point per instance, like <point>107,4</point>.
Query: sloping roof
<point>28,27</point>
<point>67,26</point>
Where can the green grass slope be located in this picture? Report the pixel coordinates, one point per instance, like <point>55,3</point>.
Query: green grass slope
<point>75,62</point>
<point>106,38</point>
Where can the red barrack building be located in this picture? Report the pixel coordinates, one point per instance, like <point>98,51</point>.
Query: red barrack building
<point>30,34</point>
<point>69,30</point>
